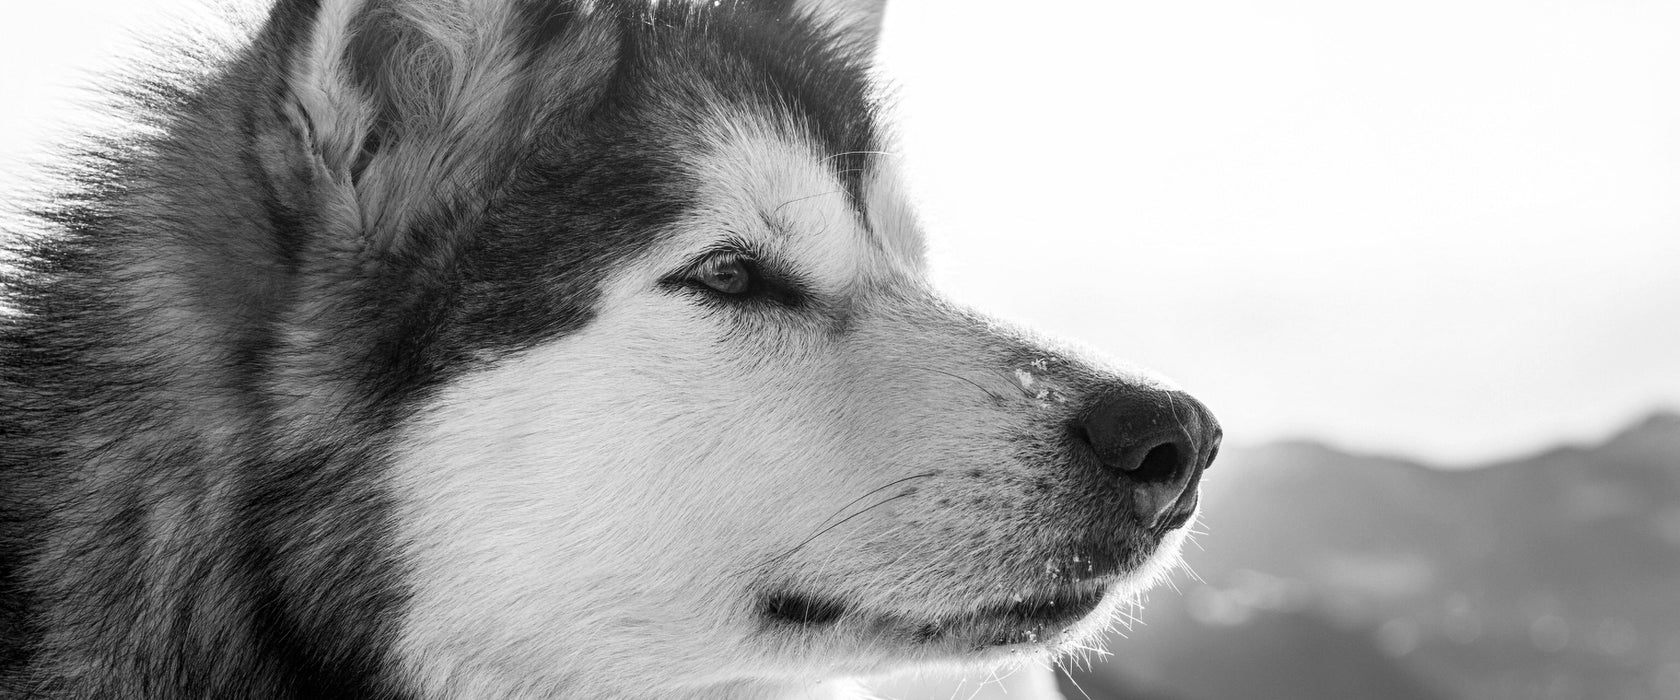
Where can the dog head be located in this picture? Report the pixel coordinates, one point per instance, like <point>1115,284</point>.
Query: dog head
<point>675,386</point>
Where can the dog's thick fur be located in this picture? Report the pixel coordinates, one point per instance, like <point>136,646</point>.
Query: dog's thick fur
<point>539,348</point>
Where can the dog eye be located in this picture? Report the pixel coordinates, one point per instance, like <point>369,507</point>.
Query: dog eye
<point>725,274</point>
<point>735,276</point>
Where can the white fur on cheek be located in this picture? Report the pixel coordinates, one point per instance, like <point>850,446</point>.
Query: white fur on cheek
<point>580,507</point>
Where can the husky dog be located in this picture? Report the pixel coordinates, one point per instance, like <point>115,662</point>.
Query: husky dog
<point>535,349</point>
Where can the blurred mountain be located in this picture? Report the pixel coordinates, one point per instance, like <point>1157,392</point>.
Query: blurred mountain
<point>1324,574</point>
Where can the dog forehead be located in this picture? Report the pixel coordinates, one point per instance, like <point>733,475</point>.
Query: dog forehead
<point>764,177</point>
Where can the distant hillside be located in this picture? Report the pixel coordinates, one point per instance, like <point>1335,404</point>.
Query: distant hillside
<point>1330,575</point>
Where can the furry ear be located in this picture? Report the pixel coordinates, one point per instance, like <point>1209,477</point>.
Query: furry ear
<point>405,104</point>
<point>858,19</point>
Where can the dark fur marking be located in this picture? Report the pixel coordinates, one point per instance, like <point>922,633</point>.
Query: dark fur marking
<point>542,23</point>
<point>802,610</point>
<point>323,649</point>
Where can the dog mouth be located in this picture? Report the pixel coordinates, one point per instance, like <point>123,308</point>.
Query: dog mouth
<point>1070,588</point>
<point>1024,618</point>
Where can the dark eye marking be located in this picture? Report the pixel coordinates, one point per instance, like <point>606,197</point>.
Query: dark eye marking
<point>732,275</point>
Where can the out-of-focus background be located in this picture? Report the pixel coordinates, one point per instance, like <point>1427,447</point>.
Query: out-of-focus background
<point>1422,258</point>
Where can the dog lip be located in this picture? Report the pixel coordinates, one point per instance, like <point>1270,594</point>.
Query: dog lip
<point>800,609</point>
<point>1021,619</point>
<point>1026,619</point>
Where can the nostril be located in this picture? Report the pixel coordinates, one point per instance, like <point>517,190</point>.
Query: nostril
<point>1081,436</point>
<point>1147,436</point>
<point>1159,464</point>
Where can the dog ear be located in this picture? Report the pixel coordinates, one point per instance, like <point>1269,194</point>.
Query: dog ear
<point>406,105</point>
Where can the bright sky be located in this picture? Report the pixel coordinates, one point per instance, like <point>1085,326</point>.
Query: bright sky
<point>1444,228</point>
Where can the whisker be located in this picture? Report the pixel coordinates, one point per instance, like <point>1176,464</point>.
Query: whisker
<point>1069,674</point>
<point>1092,650</point>
<point>872,492</point>
<point>995,396</point>
<point>785,555</point>
<point>1012,382</point>
<point>1192,572</point>
<point>1128,618</point>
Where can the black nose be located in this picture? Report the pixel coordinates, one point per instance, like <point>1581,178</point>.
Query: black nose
<point>1156,443</point>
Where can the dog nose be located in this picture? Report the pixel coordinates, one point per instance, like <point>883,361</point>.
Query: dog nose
<point>1156,443</point>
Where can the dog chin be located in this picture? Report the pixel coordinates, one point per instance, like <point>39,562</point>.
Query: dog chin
<point>1042,620</point>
